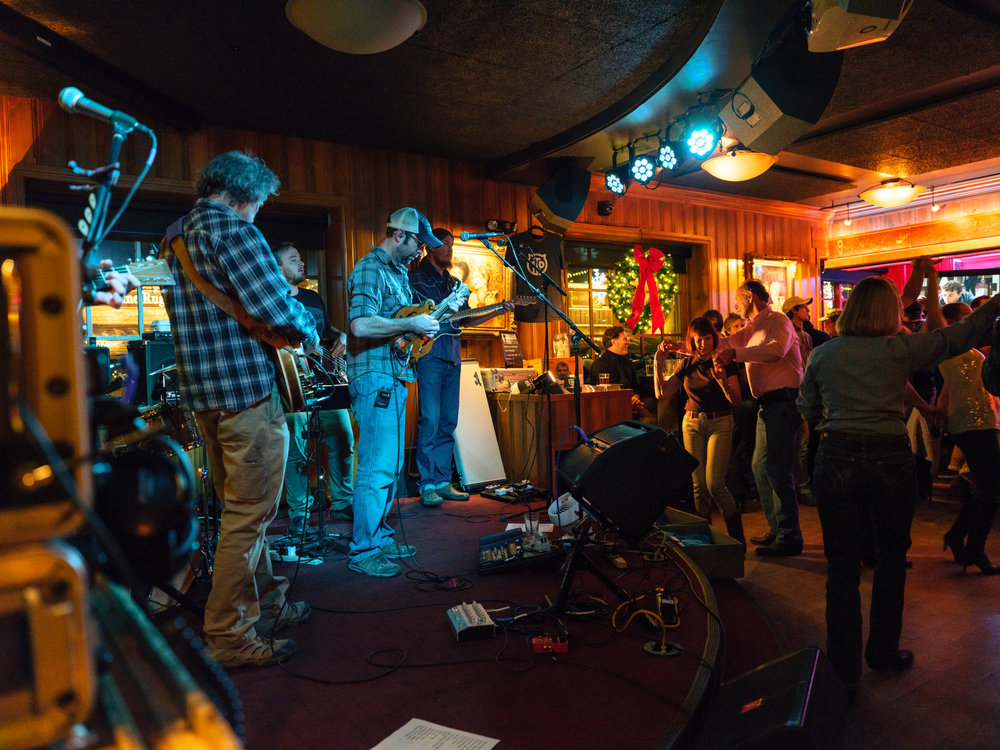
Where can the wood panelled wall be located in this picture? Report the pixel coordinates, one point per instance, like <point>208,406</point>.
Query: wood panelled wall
<point>362,186</point>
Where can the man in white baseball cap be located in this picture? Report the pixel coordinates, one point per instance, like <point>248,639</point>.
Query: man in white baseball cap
<point>377,289</point>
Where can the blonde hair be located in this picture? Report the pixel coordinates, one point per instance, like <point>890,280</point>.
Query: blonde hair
<point>873,309</point>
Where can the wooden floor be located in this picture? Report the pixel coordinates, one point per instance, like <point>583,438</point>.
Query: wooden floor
<point>951,697</point>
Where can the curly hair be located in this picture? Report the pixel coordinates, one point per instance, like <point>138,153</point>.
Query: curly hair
<point>238,175</point>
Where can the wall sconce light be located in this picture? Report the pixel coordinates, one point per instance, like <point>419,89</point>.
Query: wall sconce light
<point>934,204</point>
<point>892,193</point>
<point>499,225</point>
<point>847,221</point>
<point>739,164</point>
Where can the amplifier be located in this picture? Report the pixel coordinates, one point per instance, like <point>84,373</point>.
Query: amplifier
<point>501,379</point>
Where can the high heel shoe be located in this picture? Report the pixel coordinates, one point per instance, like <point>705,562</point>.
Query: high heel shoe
<point>983,563</point>
<point>956,545</point>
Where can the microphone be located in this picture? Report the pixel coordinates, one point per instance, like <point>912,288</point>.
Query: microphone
<point>466,236</point>
<point>73,101</point>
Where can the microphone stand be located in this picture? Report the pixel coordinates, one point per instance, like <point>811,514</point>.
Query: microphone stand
<point>578,336</point>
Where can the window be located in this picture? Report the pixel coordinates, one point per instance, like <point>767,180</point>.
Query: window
<point>588,300</point>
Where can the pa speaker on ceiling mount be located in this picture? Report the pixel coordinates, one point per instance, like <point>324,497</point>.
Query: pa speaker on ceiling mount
<point>842,24</point>
<point>784,95</point>
<point>560,199</point>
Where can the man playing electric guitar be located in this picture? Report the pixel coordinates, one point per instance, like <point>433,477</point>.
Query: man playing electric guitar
<point>378,287</point>
<point>334,424</point>
<point>438,376</point>
<point>226,377</point>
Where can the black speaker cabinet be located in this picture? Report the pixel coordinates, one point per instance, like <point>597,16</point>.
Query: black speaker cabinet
<point>796,702</point>
<point>559,201</point>
<point>152,356</point>
<point>626,474</point>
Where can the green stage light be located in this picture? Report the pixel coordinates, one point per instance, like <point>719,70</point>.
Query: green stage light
<point>642,168</point>
<point>666,156</point>
<point>702,129</point>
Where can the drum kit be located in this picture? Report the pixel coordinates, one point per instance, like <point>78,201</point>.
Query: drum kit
<point>172,420</point>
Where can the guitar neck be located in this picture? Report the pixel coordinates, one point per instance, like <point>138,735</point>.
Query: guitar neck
<point>477,311</point>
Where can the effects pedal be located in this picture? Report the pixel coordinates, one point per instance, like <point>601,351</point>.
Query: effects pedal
<point>549,644</point>
<point>470,621</point>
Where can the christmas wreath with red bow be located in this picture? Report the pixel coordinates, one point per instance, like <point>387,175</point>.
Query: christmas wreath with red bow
<point>641,289</point>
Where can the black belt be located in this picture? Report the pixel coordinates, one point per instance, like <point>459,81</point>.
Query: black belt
<point>864,437</point>
<point>778,394</point>
<point>708,414</point>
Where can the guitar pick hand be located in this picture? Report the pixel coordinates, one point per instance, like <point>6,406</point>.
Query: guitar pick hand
<point>423,325</point>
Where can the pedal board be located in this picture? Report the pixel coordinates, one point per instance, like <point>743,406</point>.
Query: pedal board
<point>470,621</point>
<point>507,550</point>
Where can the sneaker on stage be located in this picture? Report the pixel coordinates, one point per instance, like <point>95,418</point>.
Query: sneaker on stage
<point>450,493</point>
<point>377,565</point>
<point>394,550</point>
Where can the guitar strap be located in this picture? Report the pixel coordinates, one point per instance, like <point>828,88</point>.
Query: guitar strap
<point>261,331</point>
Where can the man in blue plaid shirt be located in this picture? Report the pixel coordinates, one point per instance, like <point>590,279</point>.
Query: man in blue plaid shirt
<point>378,287</point>
<point>226,378</point>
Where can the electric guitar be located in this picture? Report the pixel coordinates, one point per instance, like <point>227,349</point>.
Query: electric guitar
<point>301,386</point>
<point>146,272</point>
<point>410,347</point>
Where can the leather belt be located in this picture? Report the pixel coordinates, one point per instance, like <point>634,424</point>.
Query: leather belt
<point>778,394</point>
<point>864,437</point>
<point>708,414</point>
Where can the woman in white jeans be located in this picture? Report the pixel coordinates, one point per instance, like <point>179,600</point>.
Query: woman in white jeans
<point>707,426</point>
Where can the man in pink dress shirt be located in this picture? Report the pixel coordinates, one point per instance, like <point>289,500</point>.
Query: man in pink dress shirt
<point>770,348</point>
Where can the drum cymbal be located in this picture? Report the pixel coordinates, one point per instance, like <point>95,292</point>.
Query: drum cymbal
<point>168,368</point>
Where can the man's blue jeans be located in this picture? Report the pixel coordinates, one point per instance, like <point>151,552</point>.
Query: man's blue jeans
<point>380,457</point>
<point>774,472</point>
<point>438,390</point>
<point>857,482</point>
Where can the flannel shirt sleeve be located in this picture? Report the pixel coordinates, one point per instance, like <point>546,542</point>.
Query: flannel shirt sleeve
<point>260,288</point>
<point>364,292</point>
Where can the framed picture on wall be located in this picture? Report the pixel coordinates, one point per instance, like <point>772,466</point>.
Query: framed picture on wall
<point>488,279</point>
<point>777,276</point>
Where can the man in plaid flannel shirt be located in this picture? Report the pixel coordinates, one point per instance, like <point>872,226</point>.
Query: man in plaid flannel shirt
<point>226,378</point>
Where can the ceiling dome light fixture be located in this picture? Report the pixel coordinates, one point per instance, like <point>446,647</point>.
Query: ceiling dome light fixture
<point>739,164</point>
<point>892,193</point>
<point>357,27</point>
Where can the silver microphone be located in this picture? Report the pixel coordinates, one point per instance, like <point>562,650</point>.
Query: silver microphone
<point>73,101</point>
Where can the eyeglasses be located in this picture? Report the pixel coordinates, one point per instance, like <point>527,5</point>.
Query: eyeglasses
<point>412,236</point>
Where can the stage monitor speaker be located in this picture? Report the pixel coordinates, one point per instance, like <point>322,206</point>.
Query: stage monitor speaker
<point>626,474</point>
<point>559,201</point>
<point>796,702</point>
<point>784,95</point>
<point>152,356</point>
